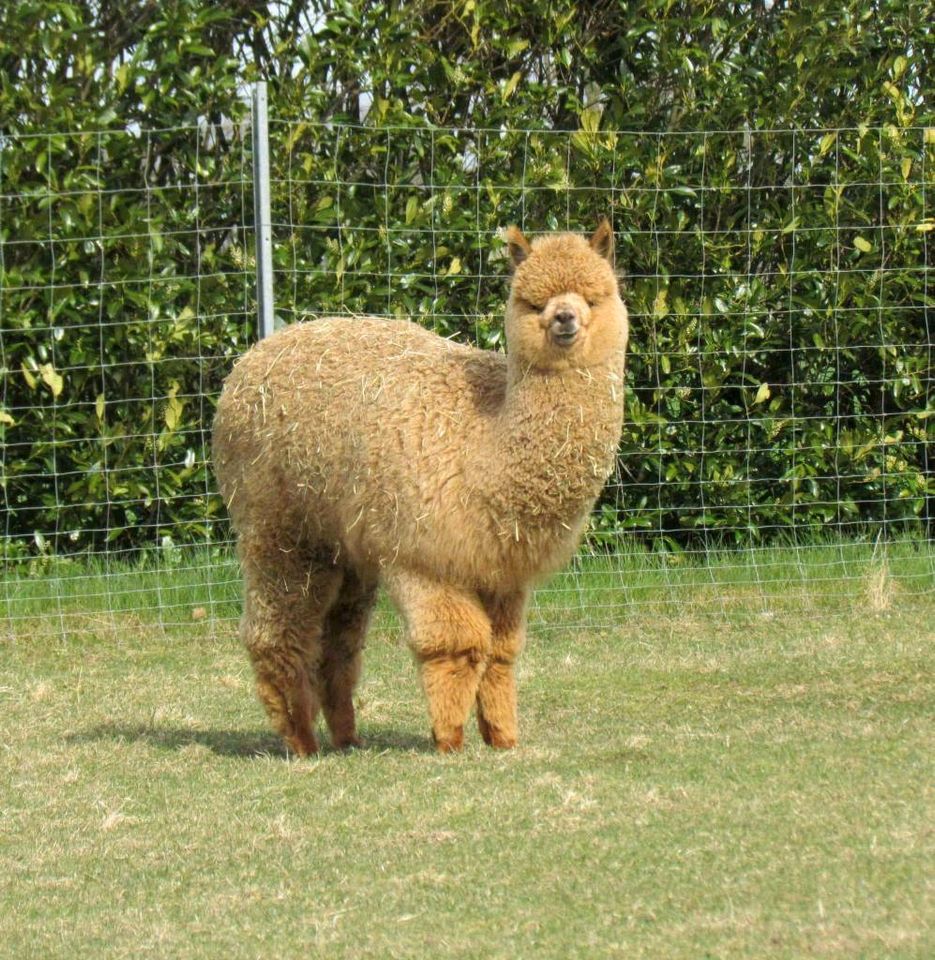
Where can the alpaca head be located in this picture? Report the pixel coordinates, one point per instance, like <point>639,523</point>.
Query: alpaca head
<point>565,309</point>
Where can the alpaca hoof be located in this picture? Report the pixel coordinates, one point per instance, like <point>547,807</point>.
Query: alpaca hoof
<point>501,742</point>
<point>451,742</point>
<point>304,745</point>
<point>494,736</point>
<point>347,743</point>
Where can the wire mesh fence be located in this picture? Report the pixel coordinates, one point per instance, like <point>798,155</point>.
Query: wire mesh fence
<point>775,456</point>
<point>126,292</point>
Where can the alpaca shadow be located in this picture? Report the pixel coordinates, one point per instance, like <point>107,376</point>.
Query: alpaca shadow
<point>244,744</point>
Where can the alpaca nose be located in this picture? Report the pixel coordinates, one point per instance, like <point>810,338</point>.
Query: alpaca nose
<point>566,318</point>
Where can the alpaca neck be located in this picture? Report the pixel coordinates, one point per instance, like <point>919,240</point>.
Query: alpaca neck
<point>555,440</point>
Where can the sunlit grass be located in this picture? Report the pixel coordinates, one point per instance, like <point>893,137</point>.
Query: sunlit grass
<point>730,757</point>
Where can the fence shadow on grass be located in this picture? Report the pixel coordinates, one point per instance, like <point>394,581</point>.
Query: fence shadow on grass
<point>240,743</point>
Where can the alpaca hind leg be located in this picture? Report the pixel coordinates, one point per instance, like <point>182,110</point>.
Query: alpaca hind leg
<point>449,633</point>
<point>342,647</point>
<point>284,689</point>
<point>286,599</point>
<point>496,694</point>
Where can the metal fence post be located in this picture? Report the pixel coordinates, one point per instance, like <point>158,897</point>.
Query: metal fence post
<point>261,208</point>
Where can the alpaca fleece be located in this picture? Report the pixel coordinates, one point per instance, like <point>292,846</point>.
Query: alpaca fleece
<point>357,451</point>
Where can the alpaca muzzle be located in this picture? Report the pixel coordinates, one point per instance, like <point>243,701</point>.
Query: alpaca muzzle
<point>564,328</point>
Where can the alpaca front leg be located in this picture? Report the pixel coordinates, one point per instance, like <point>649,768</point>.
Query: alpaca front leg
<point>450,682</point>
<point>497,717</point>
<point>449,633</point>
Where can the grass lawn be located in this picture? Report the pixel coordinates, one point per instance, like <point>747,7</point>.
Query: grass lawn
<point>727,759</point>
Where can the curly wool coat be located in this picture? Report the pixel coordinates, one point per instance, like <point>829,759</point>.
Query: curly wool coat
<point>354,451</point>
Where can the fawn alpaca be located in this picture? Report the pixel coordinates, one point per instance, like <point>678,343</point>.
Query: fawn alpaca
<point>357,451</point>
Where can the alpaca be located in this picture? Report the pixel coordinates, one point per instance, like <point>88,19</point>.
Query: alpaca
<point>358,451</point>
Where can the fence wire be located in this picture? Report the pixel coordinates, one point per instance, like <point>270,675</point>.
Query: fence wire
<point>776,454</point>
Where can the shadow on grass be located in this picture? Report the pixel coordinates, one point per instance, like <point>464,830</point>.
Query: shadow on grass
<point>240,743</point>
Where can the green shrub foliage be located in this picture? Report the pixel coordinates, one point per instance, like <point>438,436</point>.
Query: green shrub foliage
<point>767,167</point>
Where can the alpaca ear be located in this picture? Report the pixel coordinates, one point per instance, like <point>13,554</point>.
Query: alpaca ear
<point>517,244</point>
<point>602,240</point>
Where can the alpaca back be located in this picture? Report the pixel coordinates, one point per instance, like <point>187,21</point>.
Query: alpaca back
<point>358,434</point>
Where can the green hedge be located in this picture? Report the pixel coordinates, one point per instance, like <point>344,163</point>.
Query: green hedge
<point>780,364</point>
<point>771,197</point>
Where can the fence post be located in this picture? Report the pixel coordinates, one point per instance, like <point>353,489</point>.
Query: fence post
<point>261,209</point>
